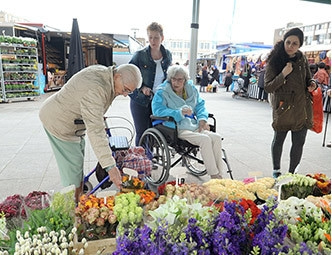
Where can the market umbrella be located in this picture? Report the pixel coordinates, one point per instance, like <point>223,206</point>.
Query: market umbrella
<point>75,58</point>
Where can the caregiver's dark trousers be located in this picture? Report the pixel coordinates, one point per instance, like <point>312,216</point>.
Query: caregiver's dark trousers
<point>141,117</point>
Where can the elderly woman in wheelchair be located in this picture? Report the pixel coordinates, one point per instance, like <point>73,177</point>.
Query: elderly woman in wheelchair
<point>178,99</point>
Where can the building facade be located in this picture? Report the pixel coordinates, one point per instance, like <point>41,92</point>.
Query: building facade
<point>314,34</point>
<point>180,49</point>
<point>316,43</point>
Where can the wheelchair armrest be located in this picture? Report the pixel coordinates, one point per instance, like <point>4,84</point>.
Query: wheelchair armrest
<point>213,127</point>
<point>167,118</point>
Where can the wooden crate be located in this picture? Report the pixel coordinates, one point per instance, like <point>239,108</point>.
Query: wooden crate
<point>104,246</point>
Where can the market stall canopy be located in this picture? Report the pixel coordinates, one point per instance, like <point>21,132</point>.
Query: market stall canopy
<point>250,53</point>
<point>75,58</point>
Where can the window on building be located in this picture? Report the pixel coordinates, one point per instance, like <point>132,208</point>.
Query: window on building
<point>321,39</point>
<point>201,46</point>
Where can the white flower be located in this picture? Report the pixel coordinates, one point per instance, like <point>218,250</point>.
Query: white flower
<point>74,230</point>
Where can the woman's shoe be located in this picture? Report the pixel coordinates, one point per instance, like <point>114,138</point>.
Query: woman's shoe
<point>276,174</point>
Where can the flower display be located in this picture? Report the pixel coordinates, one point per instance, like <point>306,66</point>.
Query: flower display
<point>300,186</point>
<point>306,223</point>
<point>95,218</point>
<point>16,207</point>
<point>128,211</point>
<point>182,220</point>
<point>179,228</point>
<point>323,184</point>
<point>146,196</point>
<point>132,182</point>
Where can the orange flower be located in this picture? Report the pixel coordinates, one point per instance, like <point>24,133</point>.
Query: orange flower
<point>325,204</point>
<point>328,237</point>
<point>146,195</point>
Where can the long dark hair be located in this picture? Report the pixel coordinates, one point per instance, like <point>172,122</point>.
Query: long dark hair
<point>278,57</point>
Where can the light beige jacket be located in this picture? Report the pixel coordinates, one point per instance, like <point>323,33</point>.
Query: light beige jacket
<point>87,95</point>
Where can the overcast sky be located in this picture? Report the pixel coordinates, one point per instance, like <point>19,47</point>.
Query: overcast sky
<point>219,20</point>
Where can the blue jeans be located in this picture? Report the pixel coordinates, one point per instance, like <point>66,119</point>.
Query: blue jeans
<point>298,140</point>
<point>141,117</point>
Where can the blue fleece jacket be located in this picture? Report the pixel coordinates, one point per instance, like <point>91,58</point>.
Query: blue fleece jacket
<point>167,103</point>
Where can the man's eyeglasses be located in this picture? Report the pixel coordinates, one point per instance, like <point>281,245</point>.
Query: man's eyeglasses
<point>125,89</point>
<point>177,79</point>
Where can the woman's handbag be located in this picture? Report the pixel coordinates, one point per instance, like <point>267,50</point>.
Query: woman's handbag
<point>317,110</point>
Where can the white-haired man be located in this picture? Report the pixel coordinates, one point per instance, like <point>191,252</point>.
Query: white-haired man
<point>87,95</point>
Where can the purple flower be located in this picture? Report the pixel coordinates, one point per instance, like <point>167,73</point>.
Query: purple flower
<point>230,233</point>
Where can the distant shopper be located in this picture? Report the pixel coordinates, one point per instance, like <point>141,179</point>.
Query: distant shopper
<point>321,76</point>
<point>262,95</point>
<point>313,69</point>
<point>288,78</point>
<point>214,74</point>
<point>204,79</point>
<point>246,75</point>
<point>228,80</point>
<point>87,95</point>
<point>153,62</point>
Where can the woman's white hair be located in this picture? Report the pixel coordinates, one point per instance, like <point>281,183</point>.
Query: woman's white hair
<point>130,74</point>
<point>177,69</point>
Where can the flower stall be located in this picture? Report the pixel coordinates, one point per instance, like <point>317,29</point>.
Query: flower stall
<point>289,215</point>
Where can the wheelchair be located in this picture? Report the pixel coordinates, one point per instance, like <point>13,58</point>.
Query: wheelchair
<point>166,150</point>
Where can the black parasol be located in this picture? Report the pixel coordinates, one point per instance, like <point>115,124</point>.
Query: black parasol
<point>75,58</point>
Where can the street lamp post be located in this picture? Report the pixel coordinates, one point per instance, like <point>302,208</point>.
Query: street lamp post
<point>193,42</point>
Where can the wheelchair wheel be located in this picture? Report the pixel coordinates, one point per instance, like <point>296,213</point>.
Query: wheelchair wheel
<point>194,162</point>
<point>156,149</point>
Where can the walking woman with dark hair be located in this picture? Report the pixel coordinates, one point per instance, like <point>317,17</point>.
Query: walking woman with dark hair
<point>288,79</point>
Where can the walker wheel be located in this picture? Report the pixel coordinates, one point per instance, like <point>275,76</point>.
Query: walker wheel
<point>87,187</point>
